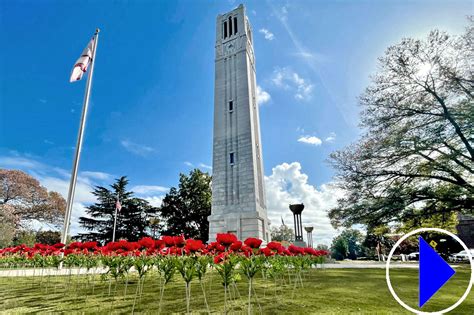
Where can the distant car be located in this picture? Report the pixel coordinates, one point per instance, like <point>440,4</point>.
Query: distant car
<point>413,256</point>
<point>461,256</point>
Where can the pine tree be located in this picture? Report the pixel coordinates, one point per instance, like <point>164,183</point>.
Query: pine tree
<point>132,220</point>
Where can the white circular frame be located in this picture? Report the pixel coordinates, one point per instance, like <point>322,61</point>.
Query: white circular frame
<point>387,271</point>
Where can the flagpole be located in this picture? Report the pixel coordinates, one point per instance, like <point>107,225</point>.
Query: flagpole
<point>115,220</point>
<point>77,156</point>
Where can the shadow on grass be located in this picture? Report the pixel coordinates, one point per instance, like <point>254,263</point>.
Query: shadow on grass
<point>335,291</point>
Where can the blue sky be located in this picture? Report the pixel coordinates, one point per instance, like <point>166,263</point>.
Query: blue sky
<point>152,99</point>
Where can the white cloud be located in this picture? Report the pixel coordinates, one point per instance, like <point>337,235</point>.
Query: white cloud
<point>19,162</point>
<point>57,179</point>
<point>135,148</point>
<point>155,201</point>
<point>288,185</point>
<point>331,138</point>
<point>310,140</point>
<point>268,35</point>
<point>262,96</point>
<point>149,189</point>
<point>96,175</point>
<point>289,80</point>
<point>202,165</point>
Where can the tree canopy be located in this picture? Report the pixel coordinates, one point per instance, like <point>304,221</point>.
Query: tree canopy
<point>283,233</point>
<point>133,220</point>
<point>22,199</point>
<point>416,156</point>
<point>185,209</point>
<point>348,244</point>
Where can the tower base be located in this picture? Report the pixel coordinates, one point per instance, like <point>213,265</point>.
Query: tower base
<point>242,224</point>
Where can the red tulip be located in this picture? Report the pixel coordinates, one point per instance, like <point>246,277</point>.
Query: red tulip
<point>267,252</point>
<point>226,239</point>
<point>147,242</point>
<point>274,245</point>
<point>168,240</point>
<point>253,242</point>
<point>295,250</point>
<point>159,244</point>
<point>89,245</point>
<point>193,246</point>
<point>179,240</point>
<point>220,258</point>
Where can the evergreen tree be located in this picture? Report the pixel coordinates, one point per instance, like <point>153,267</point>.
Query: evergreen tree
<point>132,220</point>
<point>185,209</point>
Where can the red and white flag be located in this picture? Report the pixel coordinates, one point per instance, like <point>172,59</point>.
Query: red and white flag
<point>118,205</point>
<point>82,63</point>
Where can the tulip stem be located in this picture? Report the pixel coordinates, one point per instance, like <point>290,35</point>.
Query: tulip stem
<point>205,299</point>
<point>136,294</point>
<point>250,297</point>
<point>225,298</point>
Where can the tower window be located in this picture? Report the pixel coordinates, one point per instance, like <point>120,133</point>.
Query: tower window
<point>235,25</point>
<point>230,26</point>
<point>232,158</point>
<point>231,106</point>
<point>225,29</point>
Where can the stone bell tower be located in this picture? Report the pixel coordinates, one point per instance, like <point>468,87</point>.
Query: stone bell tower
<point>238,192</point>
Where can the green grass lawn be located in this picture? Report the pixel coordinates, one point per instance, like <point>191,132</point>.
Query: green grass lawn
<point>331,291</point>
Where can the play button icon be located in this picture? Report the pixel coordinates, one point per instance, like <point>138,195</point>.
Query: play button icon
<point>434,272</point>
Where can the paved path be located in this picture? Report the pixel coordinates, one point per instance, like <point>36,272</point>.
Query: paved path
<point>371,265</point>
<point>76,271</point>
<point>49,272</point>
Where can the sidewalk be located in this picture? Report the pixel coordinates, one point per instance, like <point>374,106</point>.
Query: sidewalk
<point>81,271</point>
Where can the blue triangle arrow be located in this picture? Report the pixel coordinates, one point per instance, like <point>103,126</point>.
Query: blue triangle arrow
<point>433,274</point>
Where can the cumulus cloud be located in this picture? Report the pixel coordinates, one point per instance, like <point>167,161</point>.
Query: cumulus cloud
<point>267,34</point>
<point>262,96</point>
<point>57,179</point>
<point>149,189</point>
<point>290,80</point>
<point>310,140</point>
<point>135,148</point>
<point>287,185</point>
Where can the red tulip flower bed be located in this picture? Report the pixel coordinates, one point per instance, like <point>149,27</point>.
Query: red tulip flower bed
<point>172,255</point>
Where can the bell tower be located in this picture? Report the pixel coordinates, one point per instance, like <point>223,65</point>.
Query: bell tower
<point>238,192</point>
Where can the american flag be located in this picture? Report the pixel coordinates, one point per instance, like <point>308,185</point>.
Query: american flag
<point>80,67</point>
<point>118,205</point>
